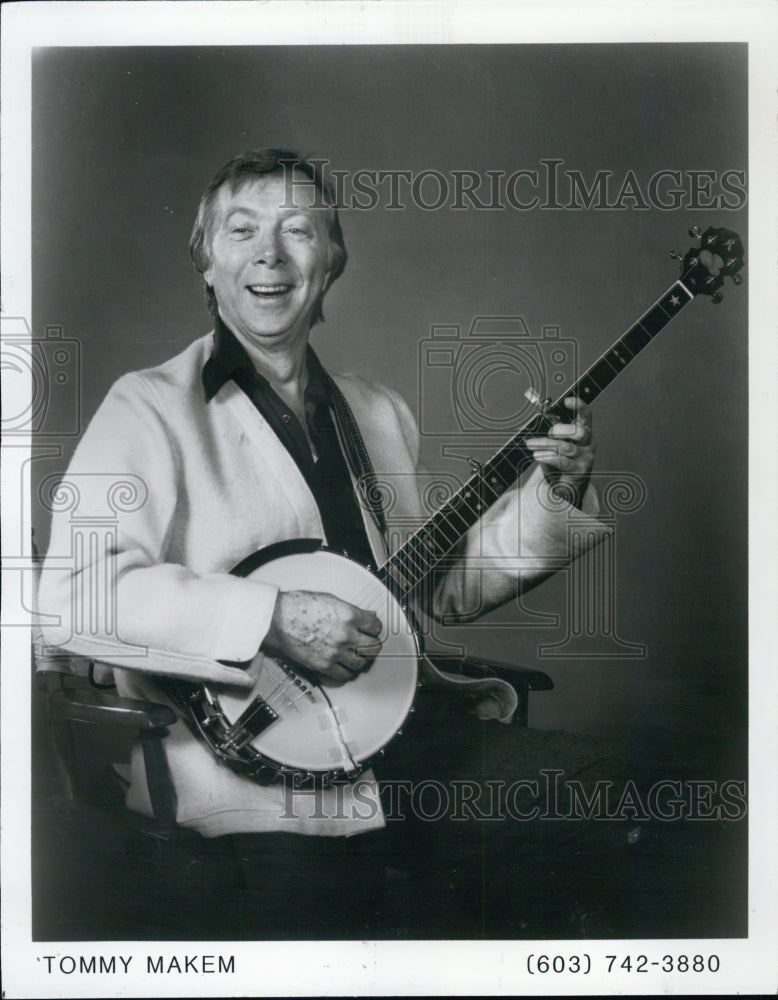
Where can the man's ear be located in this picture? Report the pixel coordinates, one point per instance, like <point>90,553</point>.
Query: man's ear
<point>206,253</point>
<point>329,277</point>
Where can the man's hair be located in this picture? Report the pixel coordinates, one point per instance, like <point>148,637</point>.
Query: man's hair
<point>242,170</point>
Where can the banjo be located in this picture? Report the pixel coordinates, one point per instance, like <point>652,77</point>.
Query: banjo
<point>297,724</point>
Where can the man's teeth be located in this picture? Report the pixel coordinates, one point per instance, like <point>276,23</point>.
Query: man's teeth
<point>269,289</point>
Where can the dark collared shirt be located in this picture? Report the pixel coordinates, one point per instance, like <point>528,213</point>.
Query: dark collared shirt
<point>327,475</point>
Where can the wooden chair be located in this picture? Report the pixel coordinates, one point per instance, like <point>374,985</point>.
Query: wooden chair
<point>101,869</point>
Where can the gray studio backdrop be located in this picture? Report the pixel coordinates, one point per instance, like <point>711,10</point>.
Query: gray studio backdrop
<point>125,139</point>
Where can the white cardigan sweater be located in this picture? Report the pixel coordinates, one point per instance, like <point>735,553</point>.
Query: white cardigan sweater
<point>206,485</point>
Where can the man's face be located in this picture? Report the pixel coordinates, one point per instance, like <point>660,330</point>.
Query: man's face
<point>268,260</point>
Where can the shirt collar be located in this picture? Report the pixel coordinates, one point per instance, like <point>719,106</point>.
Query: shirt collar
<point>230,357</point>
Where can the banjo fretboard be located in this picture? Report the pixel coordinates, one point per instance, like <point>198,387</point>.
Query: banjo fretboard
<point>411,563</point>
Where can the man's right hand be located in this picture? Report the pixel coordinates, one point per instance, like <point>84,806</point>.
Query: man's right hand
<point>323,633</point>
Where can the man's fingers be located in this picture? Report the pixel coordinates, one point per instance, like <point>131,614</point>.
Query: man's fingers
<point>567,451</point>
<point>554,460</point>
<point>324,633</point>
<point>551,447</point>
<point>368,650</point>
<point>367,622</point>
<point>580,433</point>
<point>580,429</point>
<point>341,673</point>
<point>352,661</point>
<point>582,410</point>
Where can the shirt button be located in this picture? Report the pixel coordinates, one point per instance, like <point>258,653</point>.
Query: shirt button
<point>286,417</point>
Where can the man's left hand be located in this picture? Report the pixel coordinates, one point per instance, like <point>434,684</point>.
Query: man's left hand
<point>566,455</point>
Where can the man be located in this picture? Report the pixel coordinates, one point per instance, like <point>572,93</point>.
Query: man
<point>236,447</point>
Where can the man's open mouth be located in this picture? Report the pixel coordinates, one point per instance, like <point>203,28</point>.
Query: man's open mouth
<point>269,291</point>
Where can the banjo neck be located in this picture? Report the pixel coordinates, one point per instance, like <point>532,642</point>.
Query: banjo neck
<point>702,272</point>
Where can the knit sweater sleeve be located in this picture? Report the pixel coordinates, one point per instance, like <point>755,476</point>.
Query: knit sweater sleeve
<point>107,590</point>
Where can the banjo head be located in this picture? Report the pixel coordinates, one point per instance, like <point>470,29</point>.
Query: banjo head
<point>321,727</point>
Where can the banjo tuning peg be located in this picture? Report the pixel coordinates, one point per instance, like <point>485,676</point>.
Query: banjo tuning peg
<point>737,279</point>
<point>674,255</point>
<point>695,232</point>
<point>715,299</point>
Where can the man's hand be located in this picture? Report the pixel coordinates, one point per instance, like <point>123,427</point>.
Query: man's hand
<point>566,455</point>
<point>323,633</point>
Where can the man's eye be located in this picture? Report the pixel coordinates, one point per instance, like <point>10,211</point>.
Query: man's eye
<point>298,231</point>
<point>240,231</point>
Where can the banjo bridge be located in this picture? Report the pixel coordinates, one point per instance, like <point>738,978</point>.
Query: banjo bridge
<point>255,720</point>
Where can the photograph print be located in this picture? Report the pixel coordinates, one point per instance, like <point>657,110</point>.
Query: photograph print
<point>391,555</point>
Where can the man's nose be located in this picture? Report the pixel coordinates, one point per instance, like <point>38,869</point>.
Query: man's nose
<point>269,252</point>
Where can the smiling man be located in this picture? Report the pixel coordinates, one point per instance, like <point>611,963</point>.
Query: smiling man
<point>268,264</point>
<point>244,441</point>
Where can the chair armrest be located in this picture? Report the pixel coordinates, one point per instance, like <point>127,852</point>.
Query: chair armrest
<point>523,678</point>
<point>87,705</point>
<point>68,699</point>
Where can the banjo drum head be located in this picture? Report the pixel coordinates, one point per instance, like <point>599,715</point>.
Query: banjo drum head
<point>325,726</point>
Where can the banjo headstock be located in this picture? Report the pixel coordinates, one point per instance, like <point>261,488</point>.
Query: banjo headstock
<point>719,255</point>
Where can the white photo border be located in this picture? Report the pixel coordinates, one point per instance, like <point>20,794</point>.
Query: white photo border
<point>416,968</point>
